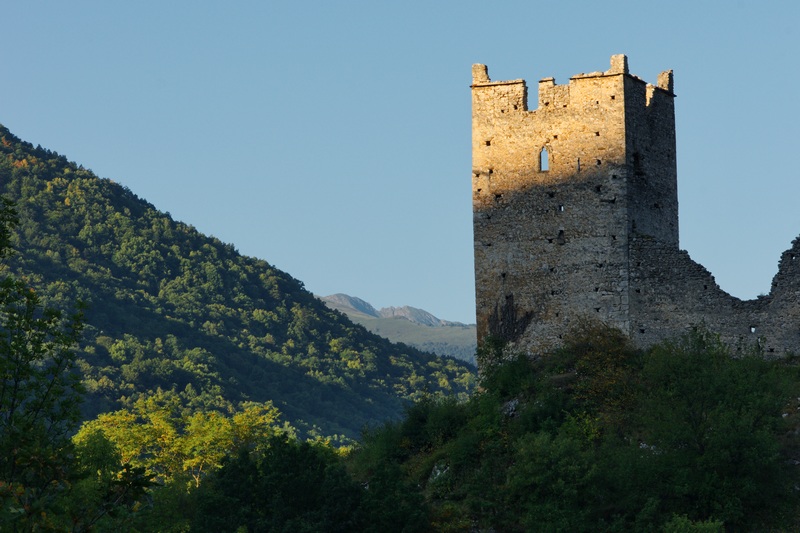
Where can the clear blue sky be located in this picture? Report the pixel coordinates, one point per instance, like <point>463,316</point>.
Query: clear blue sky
<point>332,138</point>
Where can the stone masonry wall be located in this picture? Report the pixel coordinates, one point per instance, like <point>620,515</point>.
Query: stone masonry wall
<point>576,215</point>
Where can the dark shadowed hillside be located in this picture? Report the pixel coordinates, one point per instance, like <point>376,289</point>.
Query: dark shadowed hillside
<point>170,308</point>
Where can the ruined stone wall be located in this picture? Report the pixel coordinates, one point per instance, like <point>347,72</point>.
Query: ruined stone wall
<point>576,215</point>
<point>671,294</point>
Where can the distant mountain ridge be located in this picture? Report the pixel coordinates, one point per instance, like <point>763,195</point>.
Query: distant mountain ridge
<point>352,305</point>
<point>411,326</point>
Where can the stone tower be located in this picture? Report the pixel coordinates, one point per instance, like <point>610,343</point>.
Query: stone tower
<point>576,215</point>
<point>559,190</point>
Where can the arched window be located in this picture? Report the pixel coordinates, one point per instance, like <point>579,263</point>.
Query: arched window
<point>544,160</point>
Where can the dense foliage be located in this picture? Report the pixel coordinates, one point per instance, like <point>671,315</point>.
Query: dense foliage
<point>602,437</point>
<point>169,309</point>
<point>46,482</point>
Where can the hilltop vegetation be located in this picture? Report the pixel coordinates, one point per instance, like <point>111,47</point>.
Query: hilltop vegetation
<point>599,436</point>
<point>172,311</point>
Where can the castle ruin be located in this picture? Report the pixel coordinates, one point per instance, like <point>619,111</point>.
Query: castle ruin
<point>576,215</point>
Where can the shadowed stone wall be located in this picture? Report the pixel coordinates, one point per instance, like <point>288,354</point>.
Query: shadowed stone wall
<point>576,215</point>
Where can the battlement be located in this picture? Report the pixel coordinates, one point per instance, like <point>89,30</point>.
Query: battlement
<point>579,91</point>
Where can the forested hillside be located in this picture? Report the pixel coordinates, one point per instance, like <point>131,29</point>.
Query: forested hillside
<point>169,308</point>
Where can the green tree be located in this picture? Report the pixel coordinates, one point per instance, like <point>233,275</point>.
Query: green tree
<point>286,486</point>
<point>40,393</point>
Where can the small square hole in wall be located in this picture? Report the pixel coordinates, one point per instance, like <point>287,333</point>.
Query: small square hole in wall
<point>641,330</point>
<point>613,97</point>
<point>555,136</point>
<point>491,171</point>
<point>597,309</point>
<point>597,134</point>
<point>599,162</point>
<point>551,194</point>
<point>488,143</point>
<point>598,188</point>
<point>515,106</point>
<point>561,208</point>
